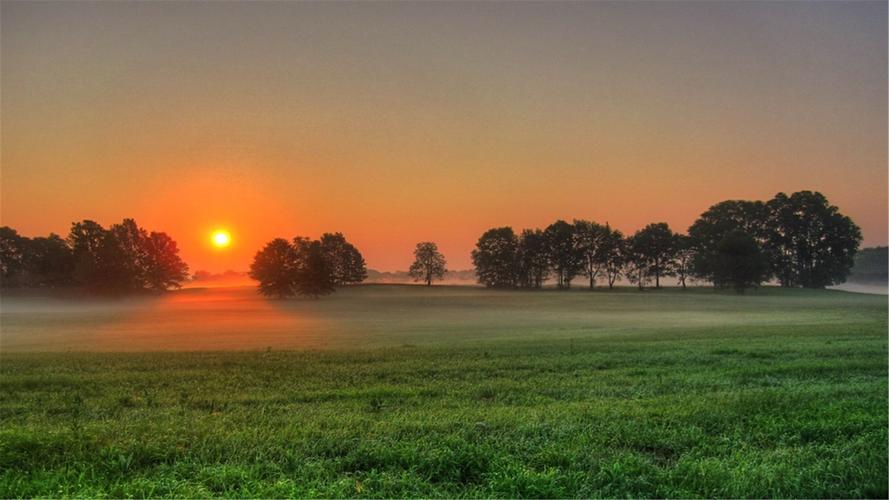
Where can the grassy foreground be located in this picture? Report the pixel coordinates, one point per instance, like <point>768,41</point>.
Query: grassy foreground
<point>473,393</point>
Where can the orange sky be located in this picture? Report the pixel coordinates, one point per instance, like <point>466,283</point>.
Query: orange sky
<point>396,123</point>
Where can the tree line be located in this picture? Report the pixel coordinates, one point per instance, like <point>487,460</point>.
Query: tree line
<point>307,267</point>
<point>799,240</point>
<point>123,258</point>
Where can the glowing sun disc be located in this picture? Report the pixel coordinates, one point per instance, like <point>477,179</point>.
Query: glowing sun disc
<point>221,238</point>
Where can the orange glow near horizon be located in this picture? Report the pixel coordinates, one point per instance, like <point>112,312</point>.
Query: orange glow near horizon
<point>405,122</point>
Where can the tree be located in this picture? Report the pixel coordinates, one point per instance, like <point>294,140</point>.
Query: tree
<point>494,258</point>
<point>810,242</point>
<point>712,226</point>
<point>48,261</point>
<point>589,237</point>
<point>346,263</point>
<point>612,254</point>
<point>565,258</point>
<point>164,268</point>
<point>683,254</point>
<point>124,266</point>
<point>654,246</point>
<point>532,259</point>
<point>428,264</point>
<point>637,260</point>
<point>275,268</point>
<point>313,276</point>
<point>739,262</point>
<point>85,239</point>
<point>12,256</point>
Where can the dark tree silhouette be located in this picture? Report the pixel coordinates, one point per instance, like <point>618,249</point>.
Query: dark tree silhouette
<point>810,242</point>
<point>654,245</point>
<point>122,259</point>
<point>637,260</point>
<point>713,225</point>
<point>275,267</point>
<point>589,238</point>
<point>346,263</point>
<point>48,262</point>
<point>613,255</point>
<point>532,259</point>
<point>164,269</point>
<point>739,262</point>
<point>564,256</point>
<point>85,239</point>
<point>494,258</point>
<point>428,264</point>
<point>683,254</point>
<point>12,257</point>
<point>127,263</point>
<point>313,276</point>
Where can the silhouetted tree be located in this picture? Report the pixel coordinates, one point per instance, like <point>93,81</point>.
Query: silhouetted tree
<point>495,258</point>
<point>681,266</point>
<point>718,221</point>
<point>344,260</point>
<point>124,267</point>
<point>810,242</point>
<point>739,262</point>
<point>164,268</point>
<point>654,245</point>
<point>48,261</point>
<point>85,239</point>
<point>275,267</point>
<point>313,271</point>
<point>589,238</point>
<point>564,256</point>
<point>428,264</point>
<point>637,260</point>
<point>613,254</point>
<point>12,256</point>
<point>532,259</point>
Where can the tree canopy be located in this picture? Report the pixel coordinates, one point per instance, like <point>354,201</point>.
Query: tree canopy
<point>429,264</point>
<point>122,259</point>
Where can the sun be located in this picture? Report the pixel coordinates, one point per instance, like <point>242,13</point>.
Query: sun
<point>221,238</point>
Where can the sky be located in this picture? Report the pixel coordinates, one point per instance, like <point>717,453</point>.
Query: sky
<point>400,122</point>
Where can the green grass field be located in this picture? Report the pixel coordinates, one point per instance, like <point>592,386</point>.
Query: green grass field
<point>386,391</point>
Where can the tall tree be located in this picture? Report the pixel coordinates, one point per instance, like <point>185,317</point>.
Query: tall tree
<point>532,259</point>
<point>86,239</point>
<point>12,256</point>
<point>708,231</point>
<point>739,263</point>
<point>494,258</point>
<point>589,238</point>
<point>654,245</point>
<point>346,263</point>
<point>275,267</point>
<point>429,263</point>
<point>314,275</point>
<point>164,269</point>
<point>612,255</point>
<point>681,266</point>
<point>127,261</point>
<point>564,256</point>
<point>810,242</point>
<point>48,261</point>
<point>637,259</point>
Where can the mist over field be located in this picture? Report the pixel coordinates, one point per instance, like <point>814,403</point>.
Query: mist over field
<point>370,316</point>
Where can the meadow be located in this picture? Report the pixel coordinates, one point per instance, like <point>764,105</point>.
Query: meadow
<point>389,391</point>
